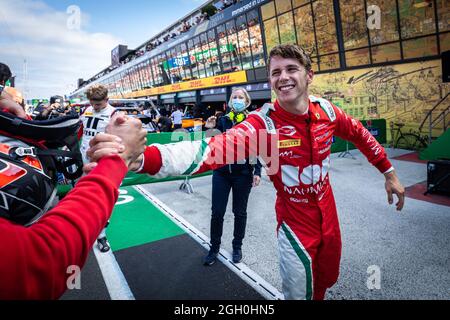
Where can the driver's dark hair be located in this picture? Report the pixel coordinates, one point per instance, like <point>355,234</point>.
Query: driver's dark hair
<point>97,92</point>
<point>291,51</point>
<point>5,73</point>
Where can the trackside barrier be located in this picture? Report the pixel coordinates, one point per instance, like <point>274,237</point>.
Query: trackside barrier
<point>376,127</point>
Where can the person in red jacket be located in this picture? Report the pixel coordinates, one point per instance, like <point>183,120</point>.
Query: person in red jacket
<point>38,253</point>
<point>293,138</point>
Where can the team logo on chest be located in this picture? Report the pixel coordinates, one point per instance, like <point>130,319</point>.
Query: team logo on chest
<point>287,131</point>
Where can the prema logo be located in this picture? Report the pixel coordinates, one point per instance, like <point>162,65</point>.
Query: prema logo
<point>287,131</point>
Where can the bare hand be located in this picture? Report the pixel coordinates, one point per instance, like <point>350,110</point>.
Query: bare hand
<point>7,102</point>
<point>135,165</point>
<point>256,181</point>
<point>133,137</point>
<point>128,131</point>
<point>211,122</point>
<point>87,168</point>
<point>103,145</point>
<point>393,186</point>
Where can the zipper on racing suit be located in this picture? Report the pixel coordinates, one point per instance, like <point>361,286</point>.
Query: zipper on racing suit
<point>311,156</point>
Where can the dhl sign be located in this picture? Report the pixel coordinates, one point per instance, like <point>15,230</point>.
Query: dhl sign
<point>216,81</point>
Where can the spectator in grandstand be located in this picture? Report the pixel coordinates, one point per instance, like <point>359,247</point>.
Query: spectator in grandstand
<point>177,118</point>
<point>186,26</point>
<point>38,255</point>
<point>95,119</point>
<point>238,177</point>
<point>227,3</point>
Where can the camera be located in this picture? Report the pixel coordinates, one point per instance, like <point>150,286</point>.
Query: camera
<point>59,100</point>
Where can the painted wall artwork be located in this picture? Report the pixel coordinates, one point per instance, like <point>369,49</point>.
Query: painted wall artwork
<point>399,93</point>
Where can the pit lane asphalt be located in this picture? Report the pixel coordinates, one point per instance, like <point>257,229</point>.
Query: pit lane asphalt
<point>411,249</point>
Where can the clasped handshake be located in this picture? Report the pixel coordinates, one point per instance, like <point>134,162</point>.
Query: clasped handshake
<point>124,137</point>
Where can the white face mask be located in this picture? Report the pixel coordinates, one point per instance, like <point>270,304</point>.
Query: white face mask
<point>239,105</point>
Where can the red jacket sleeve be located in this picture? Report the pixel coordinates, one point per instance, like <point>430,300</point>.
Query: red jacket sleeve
<point>34,261</point>
<point>352,130</point>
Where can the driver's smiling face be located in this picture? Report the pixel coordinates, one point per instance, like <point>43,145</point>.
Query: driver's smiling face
<point>289,79</point>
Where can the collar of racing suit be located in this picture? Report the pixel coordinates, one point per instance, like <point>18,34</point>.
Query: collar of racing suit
<point>282,113</point>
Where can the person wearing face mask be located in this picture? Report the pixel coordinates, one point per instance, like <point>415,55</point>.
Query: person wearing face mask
<point>239,177</point>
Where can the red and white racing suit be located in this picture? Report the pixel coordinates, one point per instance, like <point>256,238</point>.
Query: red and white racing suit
<point>308,228</point>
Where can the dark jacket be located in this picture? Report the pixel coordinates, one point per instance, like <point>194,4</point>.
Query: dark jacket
<point>165,124</point>
<point>223,124</point>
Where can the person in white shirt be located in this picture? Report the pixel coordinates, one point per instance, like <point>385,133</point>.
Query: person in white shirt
<point>177,118</point>
<point>95,119</point>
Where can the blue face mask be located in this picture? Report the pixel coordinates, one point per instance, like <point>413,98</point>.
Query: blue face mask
<point>239,105</point>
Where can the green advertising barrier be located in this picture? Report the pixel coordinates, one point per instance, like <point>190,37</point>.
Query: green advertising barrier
<point>376,127</point>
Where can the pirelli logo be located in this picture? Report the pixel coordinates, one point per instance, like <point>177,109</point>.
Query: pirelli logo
<point>283,144</point>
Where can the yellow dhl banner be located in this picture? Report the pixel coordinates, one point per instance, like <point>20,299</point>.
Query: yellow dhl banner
<point>211,82</point>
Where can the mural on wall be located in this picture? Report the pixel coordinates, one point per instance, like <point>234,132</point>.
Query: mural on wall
<point>399,93</point>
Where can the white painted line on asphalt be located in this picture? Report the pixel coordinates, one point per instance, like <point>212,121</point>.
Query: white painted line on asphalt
<point>115,281</point>
<point>242,270</point>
